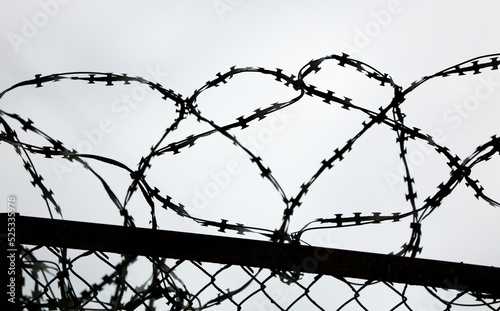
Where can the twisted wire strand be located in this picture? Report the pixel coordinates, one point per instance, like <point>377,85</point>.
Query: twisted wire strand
<point>389,116</point>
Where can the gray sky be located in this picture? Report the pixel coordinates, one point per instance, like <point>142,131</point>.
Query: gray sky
<point>184,44</point>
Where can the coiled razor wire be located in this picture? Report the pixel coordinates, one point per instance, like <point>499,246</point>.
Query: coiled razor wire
<point>163,282</point>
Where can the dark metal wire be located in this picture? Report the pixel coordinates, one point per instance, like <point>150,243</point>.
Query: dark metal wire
<point>53,282</point>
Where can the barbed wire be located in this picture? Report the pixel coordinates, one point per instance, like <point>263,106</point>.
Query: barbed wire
<point>389,116</point>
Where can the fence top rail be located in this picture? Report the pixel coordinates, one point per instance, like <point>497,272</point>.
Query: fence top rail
<point>263,254</point>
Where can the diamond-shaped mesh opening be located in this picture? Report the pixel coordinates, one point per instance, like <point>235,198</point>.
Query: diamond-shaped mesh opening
<point>60,278</point>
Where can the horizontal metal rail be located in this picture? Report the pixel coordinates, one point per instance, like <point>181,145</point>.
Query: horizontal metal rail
<point>244,252</point>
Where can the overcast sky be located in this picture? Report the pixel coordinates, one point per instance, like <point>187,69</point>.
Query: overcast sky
<point>184,44</point>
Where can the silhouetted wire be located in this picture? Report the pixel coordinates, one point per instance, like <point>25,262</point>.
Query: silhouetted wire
<point>163,282</point>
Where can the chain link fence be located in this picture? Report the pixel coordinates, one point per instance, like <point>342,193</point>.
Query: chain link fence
<point>60,279</point>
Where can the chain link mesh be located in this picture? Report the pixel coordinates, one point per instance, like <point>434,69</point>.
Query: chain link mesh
<point>60,279</point>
